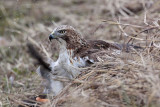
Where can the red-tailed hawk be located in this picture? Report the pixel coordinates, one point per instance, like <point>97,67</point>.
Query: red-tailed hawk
<point>74,52</point>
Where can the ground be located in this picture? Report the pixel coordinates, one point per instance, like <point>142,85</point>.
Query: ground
<point>131,79</point>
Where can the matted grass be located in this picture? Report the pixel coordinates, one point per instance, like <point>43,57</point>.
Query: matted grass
<point>129,79</point>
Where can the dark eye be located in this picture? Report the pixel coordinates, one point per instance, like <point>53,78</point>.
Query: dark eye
<point>62,31</point>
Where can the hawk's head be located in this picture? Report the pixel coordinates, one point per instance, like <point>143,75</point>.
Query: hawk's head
<point>67,34</point>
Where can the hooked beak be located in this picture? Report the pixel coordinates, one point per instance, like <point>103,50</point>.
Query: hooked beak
<point>51,37</point>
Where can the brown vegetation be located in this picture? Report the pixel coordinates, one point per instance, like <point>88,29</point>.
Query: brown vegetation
<point>131,79</point>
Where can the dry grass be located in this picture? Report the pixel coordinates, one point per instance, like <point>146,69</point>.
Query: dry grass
<point>130,79</point>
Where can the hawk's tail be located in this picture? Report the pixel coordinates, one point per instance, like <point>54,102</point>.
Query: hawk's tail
<point>127,47</point>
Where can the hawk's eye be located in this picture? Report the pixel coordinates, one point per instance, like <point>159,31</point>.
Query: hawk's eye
<point>62,31</point>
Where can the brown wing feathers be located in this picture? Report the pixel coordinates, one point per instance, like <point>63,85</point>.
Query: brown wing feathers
<point>93,46</point>
<point>102,45</point>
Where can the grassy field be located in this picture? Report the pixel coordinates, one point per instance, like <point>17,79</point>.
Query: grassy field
<point>128,80</point>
